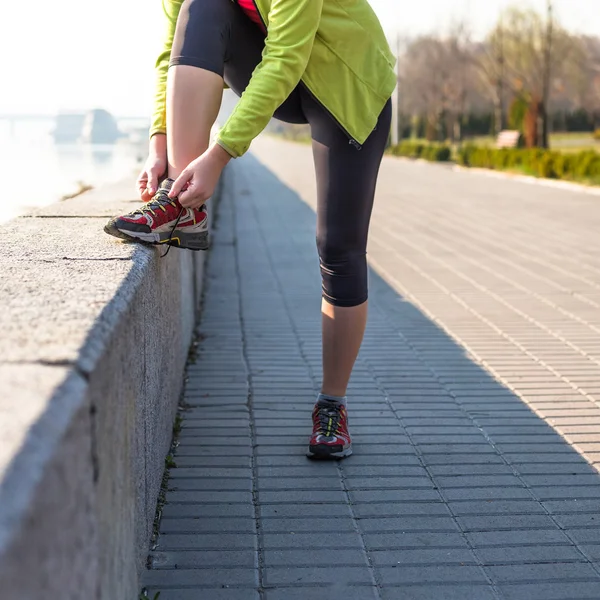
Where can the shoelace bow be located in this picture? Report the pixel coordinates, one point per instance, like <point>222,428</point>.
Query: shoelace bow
<point>160,199</point>
<point>329,419</point>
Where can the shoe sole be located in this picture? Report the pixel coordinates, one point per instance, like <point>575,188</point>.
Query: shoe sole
<point>188,241</point>
<point>323,453</point>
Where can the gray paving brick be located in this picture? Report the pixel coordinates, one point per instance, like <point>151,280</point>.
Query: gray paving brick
<point>585,536</point>
<point>209,472</point>
<point>204,422</point>
<point>307,469</point>
<point>348,592</point>
<point>526,554</point>
<point>424,523</point>
<point>489,493</point>
<point>569,468</point>
<point>571,506</point>
<point>311,540</point>
<point>208,525</point>
<point>345,576</point>
<point>505,521</point>
<point>580,519</point>
<point>215,594</point>
<point>204,559</point>
<point>557,479</point>
<point>210,483</point>
<point>299,483</point>
<point>475,481</point>
<point>191,438</point>
<point>323,558</point>
<point>295,459</point>
<point>432,574</point>
<point>386,541</point>
<point>207,510</point>
<point>394,495</point>
<point>443,591</point>
<point>394,483</point>
<point>201,577</point>
<point>394,509</point>
<point>206,541</point>
<point>218,451</point>
<point>305,510</point>
<point>211,497</point>
<point>430,556</point>
<point>517,537</point>
<point>313,524</point>
<point>296,496</point>
<point>459,458</point>
<point>215,400</point>
<point>295,450</point>
<point>409,459</point>
<point>556,492</point>
<point>470,470</point>
<point>519,458</point>
<point>582,590</point>
<point>592,551</point>
<point>467,449</point>
<point>542,572</point>
<point>213,462</point>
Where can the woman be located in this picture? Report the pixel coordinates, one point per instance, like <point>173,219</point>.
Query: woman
<point>322,62</point>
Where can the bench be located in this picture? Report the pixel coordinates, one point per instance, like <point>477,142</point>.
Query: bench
<point>508,139</point>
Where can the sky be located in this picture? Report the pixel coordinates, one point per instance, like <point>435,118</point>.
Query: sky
<point>77,55</point>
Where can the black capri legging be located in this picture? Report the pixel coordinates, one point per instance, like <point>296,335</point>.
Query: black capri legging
<point>217,36</point>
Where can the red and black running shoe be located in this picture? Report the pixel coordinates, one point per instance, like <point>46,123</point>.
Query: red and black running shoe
<point>330,437</point>
<point>163,221</point>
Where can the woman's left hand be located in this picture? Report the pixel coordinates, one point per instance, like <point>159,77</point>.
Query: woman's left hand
<point>200,177</point>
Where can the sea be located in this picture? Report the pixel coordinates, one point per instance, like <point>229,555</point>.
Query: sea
<point>38,171</point>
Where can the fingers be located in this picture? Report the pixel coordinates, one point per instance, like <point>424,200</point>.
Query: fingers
<point>187,196</point>
<point>145,196</point>
<point>180,183</point>
<point>144,187</point>
<point>142,182</point>
<point>152,184</point>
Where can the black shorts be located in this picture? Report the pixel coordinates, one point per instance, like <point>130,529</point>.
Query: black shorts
<point>217,36</point>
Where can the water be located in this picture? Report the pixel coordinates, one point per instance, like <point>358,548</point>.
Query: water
<point>38,172</point>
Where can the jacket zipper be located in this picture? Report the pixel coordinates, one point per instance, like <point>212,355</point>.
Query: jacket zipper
<point>351,140</point>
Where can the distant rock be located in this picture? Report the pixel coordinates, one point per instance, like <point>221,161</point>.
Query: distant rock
<point>100,127</point>
<point>68,127</point>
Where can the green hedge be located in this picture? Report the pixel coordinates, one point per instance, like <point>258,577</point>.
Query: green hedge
<point>543,163</point>
<point>433,152</point>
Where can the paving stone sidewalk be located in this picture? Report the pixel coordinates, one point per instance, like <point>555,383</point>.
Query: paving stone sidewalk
<point>473,406</point>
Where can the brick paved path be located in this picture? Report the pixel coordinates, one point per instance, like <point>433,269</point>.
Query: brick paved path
<point>480,377</point>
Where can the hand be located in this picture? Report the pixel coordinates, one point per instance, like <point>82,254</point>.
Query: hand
<point>200,177</point>
<point>154,168</point>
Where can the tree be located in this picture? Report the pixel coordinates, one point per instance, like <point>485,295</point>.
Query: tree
<point>535,51</point>
<point>490,63</point>
<point>584,82</point>
<point>436,81</point>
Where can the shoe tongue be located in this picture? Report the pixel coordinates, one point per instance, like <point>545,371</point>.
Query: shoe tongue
<point>166,185</point>
<point>332,404</point>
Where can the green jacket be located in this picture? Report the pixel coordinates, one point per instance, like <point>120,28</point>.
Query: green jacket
<point>337,48</point>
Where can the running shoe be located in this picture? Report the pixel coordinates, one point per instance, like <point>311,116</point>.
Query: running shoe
<point>330,437</point>
<point>163,221</point>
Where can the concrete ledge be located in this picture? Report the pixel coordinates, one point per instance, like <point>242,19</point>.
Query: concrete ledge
<point>95,339</point>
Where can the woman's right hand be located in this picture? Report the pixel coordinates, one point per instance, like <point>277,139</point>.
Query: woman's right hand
<point>154,168</point>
